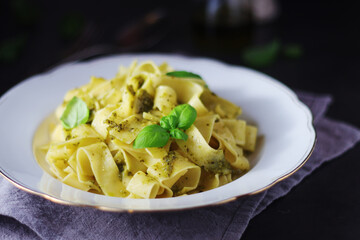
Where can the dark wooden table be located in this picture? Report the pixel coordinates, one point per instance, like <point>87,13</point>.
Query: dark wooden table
<point>325,205</point>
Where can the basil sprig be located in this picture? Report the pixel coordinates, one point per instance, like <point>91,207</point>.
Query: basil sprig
<point>178,134</point>
<point>173,125</point>
<point>292,51</point>
<point>169,122</point>
<point>262,56</point>
<point>183,74</point>
<point>152,136</point>
<point>75,113</point>
<point>185,114</point>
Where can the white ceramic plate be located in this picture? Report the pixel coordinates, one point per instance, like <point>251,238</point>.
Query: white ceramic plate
<point>286,134</point>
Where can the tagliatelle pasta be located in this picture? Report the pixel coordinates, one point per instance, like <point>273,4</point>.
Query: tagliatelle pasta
<point>99,155</point>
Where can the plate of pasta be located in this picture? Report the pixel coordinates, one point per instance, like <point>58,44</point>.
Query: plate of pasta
<point>151,132</point>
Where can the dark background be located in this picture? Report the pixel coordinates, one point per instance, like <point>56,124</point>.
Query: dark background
<point>36,35</point>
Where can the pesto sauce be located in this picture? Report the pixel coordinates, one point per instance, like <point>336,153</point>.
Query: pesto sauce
<point>169,162</point>
<point>220,166</point>
<point>144,102</point>
<point>112,124</point>
<point>130,89</point>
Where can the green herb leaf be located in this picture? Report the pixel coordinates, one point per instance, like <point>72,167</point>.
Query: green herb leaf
<point>261,56</point>
<point>169,122</point>
<point>71,26</point>
<point>181,116</point>
<point>75,113</point>
<point>151,136</point>
<point>27,13</point>
<point>183,74</point>
<point>11,48</point>
<point>178,134</point>
<point>186,115</point>
<point>292,51</point>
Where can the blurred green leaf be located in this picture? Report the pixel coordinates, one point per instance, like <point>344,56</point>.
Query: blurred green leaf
<point>71,26</point>
<point>261,56</point>
<point>26,12</point>
<point>292,51</point>
<point>183,74</point>
<point>11,48</point>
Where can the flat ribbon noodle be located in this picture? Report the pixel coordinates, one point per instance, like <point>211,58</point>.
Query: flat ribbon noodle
<point>165,99</point>
<point>99,156</point>
<point>205,125</point>
<point>143,185</point>
<point>187,92</point>
<point>233,154</point>
<point>96,160</point>
<point>215,103</point>
<point>176,171</point>
<point>237,128</point>
<point>198,151</point>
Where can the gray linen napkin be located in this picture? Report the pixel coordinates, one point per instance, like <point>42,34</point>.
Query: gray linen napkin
<point>26,216</point>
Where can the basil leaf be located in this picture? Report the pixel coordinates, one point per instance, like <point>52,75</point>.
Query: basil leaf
<point>151,136</point>
<point>178,134</point>
<point>75,113</point>
<point>186,115</point>
<point>71,26</point>
<point>261,56</point>
<point>11,49</point>
<point>169,122</point>
<point>183,74</point>
<point>292,51</point>
<point>181,116</point>
<point>27,13</point>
